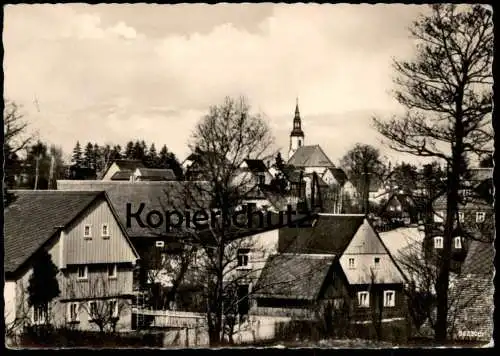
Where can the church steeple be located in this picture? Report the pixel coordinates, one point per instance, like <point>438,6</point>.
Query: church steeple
<point>297,135</point>
<point>297,124</point>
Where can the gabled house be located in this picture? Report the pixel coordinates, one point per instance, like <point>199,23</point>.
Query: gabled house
<point>372,274</point>
<point>475,221</point>
<point>301,286</point>
<point>88,244</point>
<point>121,168</point>
<point>403,209</point>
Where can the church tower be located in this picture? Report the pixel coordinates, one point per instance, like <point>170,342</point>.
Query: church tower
<point>297,135</point>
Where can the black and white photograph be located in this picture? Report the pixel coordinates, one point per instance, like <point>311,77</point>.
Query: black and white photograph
<point>198,176</point>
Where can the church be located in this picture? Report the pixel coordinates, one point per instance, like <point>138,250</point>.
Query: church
<point>311,160</point>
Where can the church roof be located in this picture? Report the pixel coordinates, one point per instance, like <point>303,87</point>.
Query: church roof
<point>310,156</point>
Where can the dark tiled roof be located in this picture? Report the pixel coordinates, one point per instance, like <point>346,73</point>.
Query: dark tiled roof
<point>480,259</point>
<point>293,276</point>
<point>256,165</point>
<point>310,156</point>
<point>122,175</point>
<point>157,174</point>
<point>161,196</point>
<point>35,216</point>
<point>330,234</point>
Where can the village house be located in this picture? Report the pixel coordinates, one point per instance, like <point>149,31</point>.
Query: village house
<point>372,276</point>
<point>88,244</point>
<point>121,169</point>
<point>403,209</point>
<point>475,218</point>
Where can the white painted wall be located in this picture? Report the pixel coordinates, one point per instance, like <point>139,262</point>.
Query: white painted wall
<point>9,297</point>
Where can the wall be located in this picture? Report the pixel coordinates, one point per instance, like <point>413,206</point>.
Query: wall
<point>376,296</point>
<point>97,249</point>
<point>9,296</point>
<point>364,247</point>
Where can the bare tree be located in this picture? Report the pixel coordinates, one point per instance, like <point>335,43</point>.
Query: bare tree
<point>363,165</point>
<point>447,91</point>
<point>421,290</point>
<point>224,138</point>
<point>14,128</point>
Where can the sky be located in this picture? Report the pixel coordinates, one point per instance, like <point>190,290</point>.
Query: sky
<point>110,73</point>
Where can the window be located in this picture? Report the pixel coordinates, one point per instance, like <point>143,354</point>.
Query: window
<point>458,242</point>
<point>398,208</point>
<point>391,208</point>
<point>113,308</point>
<point>461,216</point>
<point>105,230</point>
<point>363,299</point>
<point>87,231</point>
<point>376,261</point>
<point>262,179</point>
<point>389,298</point>
<point>112,269</point>
<point>93,311</point>
<point>82,272</point>
<point>438,242</point>
<point>352,264</point>
<point>160,243</point>
<point>480,216</point>
<point>73,312</point>
<point>40,314</point>
<point>243,257</point>
<point>300,143</point>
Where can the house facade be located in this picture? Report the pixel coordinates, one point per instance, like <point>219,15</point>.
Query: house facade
<point>372,277</point>
<point>88,245</point>
<point>121,169</point>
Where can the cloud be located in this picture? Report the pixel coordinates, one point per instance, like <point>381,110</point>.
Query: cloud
<point>100,78</point>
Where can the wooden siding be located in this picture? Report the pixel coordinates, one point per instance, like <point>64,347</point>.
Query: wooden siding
<point>376,296</point>
<point>97,249</point>
<point>98,284</point>
<point>364,248</point>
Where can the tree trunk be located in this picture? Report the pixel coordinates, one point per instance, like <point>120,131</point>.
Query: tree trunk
<point>453,181</point>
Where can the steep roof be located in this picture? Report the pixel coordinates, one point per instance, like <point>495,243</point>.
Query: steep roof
<point>161,196</point>
<point>157,174</point>
<point>480,259</point>
<point>294,276</point>
<point>35,216</point>
<point>256,165</point>
<point>329,234</point>
<point>310,156</point>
